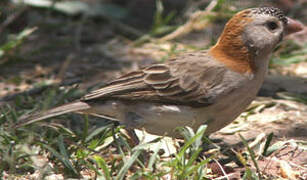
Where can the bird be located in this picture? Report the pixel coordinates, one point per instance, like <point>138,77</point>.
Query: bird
<point>211,87</point>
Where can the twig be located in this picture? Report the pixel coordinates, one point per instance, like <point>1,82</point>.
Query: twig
<point>222,169</point>
<point>9,20</point>
<point>78,32</point>
<point>124,28</point>
<point>38,90</point>
<point>64,67</point>
<point>193,23</point>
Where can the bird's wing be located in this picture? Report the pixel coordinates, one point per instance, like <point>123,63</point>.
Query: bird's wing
<point>184,80</point>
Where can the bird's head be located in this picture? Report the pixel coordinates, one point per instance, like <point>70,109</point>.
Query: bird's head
<point>251,35</point>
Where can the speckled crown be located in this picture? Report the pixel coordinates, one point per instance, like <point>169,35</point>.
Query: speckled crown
<point>272,11</point>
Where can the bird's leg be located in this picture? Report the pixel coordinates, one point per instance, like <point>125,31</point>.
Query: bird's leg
<point>134,138</point>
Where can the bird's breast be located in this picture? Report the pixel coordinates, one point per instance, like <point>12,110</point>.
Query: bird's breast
<point>231,105</point>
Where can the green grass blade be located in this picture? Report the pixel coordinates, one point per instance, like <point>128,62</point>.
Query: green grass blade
<point>154,156</point>
<point>252,154</point>
<point>85,129</point>
<point>61,158</point>
<point>267,144</point>
<point>96,132</point>
<point>65,157</point>
<point>127,165</point>
<point>103,165</point>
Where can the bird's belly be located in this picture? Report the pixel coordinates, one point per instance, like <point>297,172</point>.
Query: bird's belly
<point>165,119</point>
<point>154,118</point>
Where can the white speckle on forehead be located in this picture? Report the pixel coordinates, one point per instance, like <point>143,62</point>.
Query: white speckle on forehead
<point>271,11</point>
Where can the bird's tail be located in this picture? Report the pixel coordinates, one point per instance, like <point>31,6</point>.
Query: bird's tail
<point>66,108</point>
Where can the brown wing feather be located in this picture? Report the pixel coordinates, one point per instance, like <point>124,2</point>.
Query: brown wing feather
<point>174,82</point>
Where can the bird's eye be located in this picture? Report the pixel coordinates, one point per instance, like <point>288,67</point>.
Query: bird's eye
<point>272,25</point>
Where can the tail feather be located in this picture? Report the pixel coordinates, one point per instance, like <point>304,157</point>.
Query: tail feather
<point>66,108</point>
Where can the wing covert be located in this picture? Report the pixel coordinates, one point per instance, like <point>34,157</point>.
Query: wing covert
<point>174,82</point>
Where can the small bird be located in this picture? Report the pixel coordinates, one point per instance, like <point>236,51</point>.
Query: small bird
<point>210,87</point>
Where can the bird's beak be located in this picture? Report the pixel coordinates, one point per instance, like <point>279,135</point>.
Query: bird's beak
<point>293,26</point>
